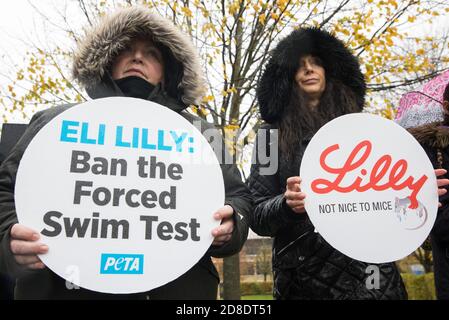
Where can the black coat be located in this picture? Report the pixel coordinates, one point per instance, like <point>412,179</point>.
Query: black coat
<point>434,138</point>
<point>305,266</point>
<point>11,133</point>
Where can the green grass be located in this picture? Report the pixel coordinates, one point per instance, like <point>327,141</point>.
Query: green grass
<point>259,297</point>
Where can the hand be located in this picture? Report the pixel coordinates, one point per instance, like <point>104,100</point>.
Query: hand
<point>25,247</point>
<point>223,233</point>
<point>293,195</point>
<point>441,183</point>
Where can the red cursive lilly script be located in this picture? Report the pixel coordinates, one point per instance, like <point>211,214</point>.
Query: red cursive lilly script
<point>362,151</point>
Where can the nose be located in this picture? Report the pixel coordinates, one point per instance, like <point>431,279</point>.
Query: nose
<point>137,56</point>
<point>308,66</point>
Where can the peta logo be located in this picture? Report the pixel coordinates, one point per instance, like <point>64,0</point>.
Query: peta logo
<point>113,263</point>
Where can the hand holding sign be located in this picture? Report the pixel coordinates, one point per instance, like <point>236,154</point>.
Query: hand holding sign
<point>25,247</point>
<point>223,233</point>
<point>293,195</point>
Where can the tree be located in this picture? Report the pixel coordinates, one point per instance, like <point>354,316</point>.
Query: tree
<point>424,257</point>
<point>234,38</point>
<point>263,261</point>
<point>231,278</point>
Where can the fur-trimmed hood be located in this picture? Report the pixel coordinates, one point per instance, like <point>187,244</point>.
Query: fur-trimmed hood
<point>102,44</point>
<point>276,83</point>
<point>434,135</point>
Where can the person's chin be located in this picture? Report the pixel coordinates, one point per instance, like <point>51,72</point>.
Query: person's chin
<point>135,74</point>
<point>311,90</point>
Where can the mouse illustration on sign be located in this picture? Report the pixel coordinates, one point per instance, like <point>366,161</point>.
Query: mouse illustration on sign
<point>404,213</point>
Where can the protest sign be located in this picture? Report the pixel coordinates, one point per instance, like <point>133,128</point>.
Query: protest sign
<point>371,190</point>
<point>122,191</point>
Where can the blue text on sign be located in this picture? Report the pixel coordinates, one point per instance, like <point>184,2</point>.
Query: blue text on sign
<point>141,138</point>
<point>114,263</point>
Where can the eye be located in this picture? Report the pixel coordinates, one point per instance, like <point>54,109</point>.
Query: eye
<point>152,52</point>
<point>317,61</point>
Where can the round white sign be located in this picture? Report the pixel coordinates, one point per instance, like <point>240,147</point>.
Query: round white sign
<point>370,188</point>
<point>122,191</point>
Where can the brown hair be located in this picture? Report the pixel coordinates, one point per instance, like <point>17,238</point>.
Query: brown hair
<point>299,120</point>
<point>446,98</point>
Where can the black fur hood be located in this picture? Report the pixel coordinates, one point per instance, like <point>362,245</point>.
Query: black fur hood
<point>435,135</point>
<point>276,83</point>
<point>102,43</point>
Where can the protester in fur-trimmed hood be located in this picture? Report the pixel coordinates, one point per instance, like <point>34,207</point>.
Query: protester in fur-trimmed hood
<point>131,53</point>
<point>310,79</point>
<point>434,138</point>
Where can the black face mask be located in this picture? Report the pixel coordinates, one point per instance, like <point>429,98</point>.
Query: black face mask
<point>135,87</point>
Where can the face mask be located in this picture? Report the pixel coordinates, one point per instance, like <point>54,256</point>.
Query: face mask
<point>135,87</point>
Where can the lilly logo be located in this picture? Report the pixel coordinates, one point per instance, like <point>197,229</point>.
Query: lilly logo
<point>112,263</point>
<point>384,166</point>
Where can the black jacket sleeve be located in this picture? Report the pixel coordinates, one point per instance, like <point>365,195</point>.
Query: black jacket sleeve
<point>271,211</point>
<point>8,172</point>
<point>239,198</point>
<point>237,195</point>
<point>441,227</point>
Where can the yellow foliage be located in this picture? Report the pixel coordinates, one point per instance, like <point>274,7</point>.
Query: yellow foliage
<point>207,99</point>
<point>369,70</point>
<point>231,127</point>
<point>345,32</point>
<point>232,90</point>
<point>281,4</point>
<point>187,12</point>
<point>234,7</point>
<point>262,18</point>
<point>420,52</point>
<point>390,42</point>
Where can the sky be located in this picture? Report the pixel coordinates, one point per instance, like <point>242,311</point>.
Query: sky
<point>20,18</point>
<point>21,26</point>
<point>17,21</point>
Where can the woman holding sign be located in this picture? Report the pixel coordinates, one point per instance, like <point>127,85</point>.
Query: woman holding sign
<point>132,53</point>
<point>310,79</point>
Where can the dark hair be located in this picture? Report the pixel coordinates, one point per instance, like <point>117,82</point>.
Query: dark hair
<point>445,112</point>
<point>446,93</point>
<point>299,120</point>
